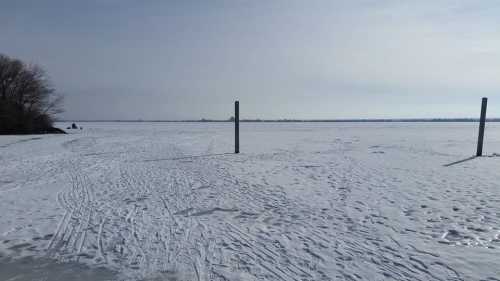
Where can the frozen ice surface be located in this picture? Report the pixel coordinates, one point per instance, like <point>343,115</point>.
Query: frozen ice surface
<point>303,201</point>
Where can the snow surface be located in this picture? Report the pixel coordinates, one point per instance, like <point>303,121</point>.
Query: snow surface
<point>303,201</point>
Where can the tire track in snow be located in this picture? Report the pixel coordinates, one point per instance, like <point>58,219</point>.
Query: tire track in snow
<point>169,218</point>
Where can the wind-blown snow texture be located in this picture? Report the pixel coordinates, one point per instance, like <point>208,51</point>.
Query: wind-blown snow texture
<point>303,201</point>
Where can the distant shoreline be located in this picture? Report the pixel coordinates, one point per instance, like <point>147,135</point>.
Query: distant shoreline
<point>296,120</point>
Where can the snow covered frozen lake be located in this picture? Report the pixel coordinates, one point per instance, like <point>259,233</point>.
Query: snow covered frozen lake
<point>303,201</point>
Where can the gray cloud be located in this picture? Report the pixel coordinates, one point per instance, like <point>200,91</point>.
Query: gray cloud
<point>282,59</point>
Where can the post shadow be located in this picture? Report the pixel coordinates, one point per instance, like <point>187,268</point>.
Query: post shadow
<point>459,161</point>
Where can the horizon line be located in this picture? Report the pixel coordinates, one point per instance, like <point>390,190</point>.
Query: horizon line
<point>284,120</point>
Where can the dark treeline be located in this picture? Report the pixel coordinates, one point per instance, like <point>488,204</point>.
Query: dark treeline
<point>28,102</point>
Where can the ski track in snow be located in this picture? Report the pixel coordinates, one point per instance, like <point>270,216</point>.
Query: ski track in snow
<point>328,207</point>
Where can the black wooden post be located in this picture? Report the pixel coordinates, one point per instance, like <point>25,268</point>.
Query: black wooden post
<point>480,138</point>
<point>236,127</point>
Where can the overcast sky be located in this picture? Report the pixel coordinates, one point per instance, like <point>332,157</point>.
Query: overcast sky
<point>124,59</point>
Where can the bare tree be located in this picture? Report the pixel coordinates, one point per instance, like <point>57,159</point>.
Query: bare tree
<point>28,100</point>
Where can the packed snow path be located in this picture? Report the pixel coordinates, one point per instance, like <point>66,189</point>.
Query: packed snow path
<point>301,202</point>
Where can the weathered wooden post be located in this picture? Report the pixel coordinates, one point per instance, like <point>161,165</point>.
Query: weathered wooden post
<point>482,120</point>
<point>236,127</point>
